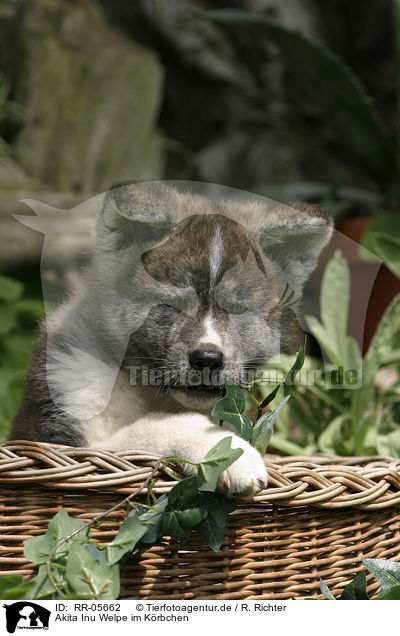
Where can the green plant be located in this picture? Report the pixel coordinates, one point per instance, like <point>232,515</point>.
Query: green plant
<point>342,406</point>
<point>386,572</point>
<point>11,113</point>
<point>73,565</point>
<point>18,319</point>
<point>332,86</point>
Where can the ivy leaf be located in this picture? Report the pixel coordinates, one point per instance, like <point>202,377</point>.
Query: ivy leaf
<point>88,578</point>
<point>230,409</point>
<point>43,587</point>
<point>129,533</point>
<point>207,512</point>
<point>184,509</point>
<point>37,549</point>
<point>13,586</point>
<point>218,459</point>
<point>152,520</point>
<point>326,591</point>
<point>386,572</point>
<point>180,523</point>
<point>212,528</point>
<point>356,590</point>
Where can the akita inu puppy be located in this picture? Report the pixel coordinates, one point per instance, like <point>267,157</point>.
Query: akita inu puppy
<point>185,291</point>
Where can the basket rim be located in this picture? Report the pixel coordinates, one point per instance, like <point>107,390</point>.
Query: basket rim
<point>324,481</point>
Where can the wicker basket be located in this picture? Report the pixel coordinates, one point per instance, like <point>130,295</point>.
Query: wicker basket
<point>319,517</point>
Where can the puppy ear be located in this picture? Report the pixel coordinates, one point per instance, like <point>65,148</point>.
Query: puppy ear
<point>294,237</point>
<point>136,213</point>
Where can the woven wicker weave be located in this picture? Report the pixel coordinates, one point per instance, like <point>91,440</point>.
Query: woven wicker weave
<point>319,517</point>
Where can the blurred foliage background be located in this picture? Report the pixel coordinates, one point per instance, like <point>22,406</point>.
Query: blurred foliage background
<point>295,100</point>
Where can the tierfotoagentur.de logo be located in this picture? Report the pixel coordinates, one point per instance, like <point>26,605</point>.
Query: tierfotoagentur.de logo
<point>26,615</point>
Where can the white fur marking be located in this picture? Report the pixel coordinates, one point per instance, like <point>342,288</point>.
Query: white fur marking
<point>211,336</point>
<point>216,251</point>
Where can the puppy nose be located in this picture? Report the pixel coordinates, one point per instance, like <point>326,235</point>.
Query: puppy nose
<point>201,359</point>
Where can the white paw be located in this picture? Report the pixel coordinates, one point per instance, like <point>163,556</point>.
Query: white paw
<point>246,476</point>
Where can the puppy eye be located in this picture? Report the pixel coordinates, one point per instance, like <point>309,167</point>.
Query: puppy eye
<point>236,308</point>
<point>169,305</point>
<point>178,304</point>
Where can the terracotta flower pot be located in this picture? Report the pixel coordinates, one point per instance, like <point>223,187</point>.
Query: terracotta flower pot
<point>385,286</point>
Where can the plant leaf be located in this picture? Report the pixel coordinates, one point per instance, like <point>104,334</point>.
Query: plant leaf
<point>218,459</point>
<point>43,588</point>
<point>37,549</point>
<point>152,520</point>
<point>207,512</point>
<point>332,86</point>
<point>90,579</point>
<point>298,364</point>
<point>10,289</point>
<point>326,591</point>
<point>383,340</point>
<point>129,533</point>
<point>386,572</point>
<point>264,427</point>
<point>212,528</point>
<point>392,595</point>
<point>230,409</point>
<point>356,590</point>
<point>13,586</point>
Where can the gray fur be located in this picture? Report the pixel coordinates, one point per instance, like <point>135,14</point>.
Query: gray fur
<point>157,284</point>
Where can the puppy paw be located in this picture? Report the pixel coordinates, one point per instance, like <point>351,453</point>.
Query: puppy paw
<point>246,476</point>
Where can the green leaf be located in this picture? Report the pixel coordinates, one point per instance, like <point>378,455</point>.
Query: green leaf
<point>386,572</point>
<point>180,523</point>
<point>230,409</point>
<point>129,533</point>
<point>388,249</point>
<point>325,339</point>
<point>383,340</point>
<point>207,512</point>
<point>13,586</point>
<point>331,332</point>
<point>331,436</point>
<point>43,588</point>
<point>218,459</point>
<point>271,396</point>
<point>392,595</point>
<point>29,311</point>
<point>356,590</point>
<point>290,448</point>
<point>212,528</point>
<point>184,510</point>
<point>88,578</point>
<point>152,520</point>
<point>37,549</point>
<point>291,375</point>
<point>388,444</point>
<point>326,591</point>
<point>10,289</point>
<point>335,296</point>
<point>264,428</point>
<point>8,320</point>
<point>331,85</point>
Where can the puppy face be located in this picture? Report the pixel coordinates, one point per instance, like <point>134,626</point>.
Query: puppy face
<point>216,295</point>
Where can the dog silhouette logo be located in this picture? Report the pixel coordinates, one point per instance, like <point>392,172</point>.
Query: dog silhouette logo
<point>26,615</point>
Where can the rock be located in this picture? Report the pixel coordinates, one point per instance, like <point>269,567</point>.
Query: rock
<point>91,99</point>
